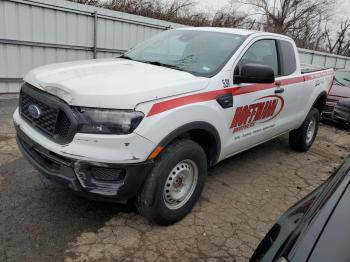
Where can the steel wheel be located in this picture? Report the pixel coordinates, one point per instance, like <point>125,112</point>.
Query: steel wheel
<point>311,130</point>
<point>180,184</point>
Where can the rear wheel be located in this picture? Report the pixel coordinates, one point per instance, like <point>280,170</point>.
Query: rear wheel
<point>174,184</point>
<point>301,139</point>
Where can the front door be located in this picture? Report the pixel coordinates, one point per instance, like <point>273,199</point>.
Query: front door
<point>259,110</point>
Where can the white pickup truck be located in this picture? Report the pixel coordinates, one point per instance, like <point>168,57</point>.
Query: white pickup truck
<point>147,125</point>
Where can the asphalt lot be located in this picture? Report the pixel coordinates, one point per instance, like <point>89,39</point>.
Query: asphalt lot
<point>244,195</point>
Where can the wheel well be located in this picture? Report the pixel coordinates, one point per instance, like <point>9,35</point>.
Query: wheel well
<point>207,142</point>
<point>320,102</point>
<point>202,133</point>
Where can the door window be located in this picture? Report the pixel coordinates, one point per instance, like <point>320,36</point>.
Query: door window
<point>263,52</point>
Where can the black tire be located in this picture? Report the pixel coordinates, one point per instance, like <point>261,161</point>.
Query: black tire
<point>298,138</point>
<point>151,202</point>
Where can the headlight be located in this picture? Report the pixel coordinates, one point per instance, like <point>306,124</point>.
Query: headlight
<point>105,121</point>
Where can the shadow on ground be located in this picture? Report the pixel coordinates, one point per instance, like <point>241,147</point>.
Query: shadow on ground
<point>38,218</point>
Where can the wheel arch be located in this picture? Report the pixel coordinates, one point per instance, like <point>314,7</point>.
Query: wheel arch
<point>320,101</point>
<point>205,134</point>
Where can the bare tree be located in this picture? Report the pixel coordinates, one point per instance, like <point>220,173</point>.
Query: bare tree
<point>87,2</point>
<point>228,17</point>
<point>300,19</point>
<point>177,11</point>
<point>156,9</point>
<point>340,43</point>
<point>306,21</point>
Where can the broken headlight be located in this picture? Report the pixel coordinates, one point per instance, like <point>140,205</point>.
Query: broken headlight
<point>108,121</point>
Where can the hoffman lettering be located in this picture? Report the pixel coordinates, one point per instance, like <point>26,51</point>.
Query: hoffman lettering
<point>246,116</point>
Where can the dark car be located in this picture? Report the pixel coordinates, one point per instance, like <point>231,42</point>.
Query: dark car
<point>341,112</point>
<point>316,229</point>
<point>340,90</point>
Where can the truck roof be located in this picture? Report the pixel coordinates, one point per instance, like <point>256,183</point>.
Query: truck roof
<point>232,31</point>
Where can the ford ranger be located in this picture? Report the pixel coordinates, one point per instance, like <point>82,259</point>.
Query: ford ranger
<point>147,125</point>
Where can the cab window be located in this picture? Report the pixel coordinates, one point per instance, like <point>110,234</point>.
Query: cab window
<point>263,52</point>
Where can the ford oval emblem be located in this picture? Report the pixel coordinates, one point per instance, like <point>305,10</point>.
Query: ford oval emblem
<point>34,111</point>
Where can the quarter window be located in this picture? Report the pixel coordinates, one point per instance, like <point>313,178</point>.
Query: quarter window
<point>288,62</point>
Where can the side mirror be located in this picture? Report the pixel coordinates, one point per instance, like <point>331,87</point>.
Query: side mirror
<point>255,73</point>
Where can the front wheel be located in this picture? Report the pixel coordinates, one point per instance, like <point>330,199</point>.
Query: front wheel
<point>175,183</point>
<point>301,139</point>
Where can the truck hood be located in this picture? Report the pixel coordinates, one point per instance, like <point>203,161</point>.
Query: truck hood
<point>112,83</point>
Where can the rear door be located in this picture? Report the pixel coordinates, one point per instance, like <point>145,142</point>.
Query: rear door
<point>292,84</point>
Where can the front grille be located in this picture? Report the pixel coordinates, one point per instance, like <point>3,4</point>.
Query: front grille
<point>46,113</point>
<point>63,125</point>
<point>47,122</point>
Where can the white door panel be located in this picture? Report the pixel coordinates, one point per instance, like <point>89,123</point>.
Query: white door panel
<point>255,116</point>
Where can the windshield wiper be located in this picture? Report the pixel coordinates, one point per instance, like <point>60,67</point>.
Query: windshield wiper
<point>157,63</point>
<point>125,57</point>
<point>338,82</point>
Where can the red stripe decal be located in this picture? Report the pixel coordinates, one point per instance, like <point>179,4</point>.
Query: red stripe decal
<point>185,100</point>
<point>211,95</point>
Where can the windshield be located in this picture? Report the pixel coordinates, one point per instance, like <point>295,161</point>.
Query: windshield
<point>343,77</point>
<point>200,53</point>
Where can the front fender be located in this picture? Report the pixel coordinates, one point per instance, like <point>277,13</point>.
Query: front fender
<point>162,128</point>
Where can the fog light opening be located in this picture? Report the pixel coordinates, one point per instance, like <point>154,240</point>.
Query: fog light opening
<point>107,174</point>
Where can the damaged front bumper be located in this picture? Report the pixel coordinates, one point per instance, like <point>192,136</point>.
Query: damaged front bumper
<point>95,180</point>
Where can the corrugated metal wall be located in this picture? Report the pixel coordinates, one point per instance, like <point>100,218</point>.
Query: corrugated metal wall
<point>34,33</point>
<point>323,59</point>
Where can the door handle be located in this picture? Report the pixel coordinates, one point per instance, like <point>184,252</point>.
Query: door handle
<point>279,90</point>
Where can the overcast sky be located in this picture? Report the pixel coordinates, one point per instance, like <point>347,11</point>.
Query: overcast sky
<point>343,6</point>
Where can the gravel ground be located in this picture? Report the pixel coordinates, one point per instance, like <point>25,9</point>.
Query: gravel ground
<point>243,197</point>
